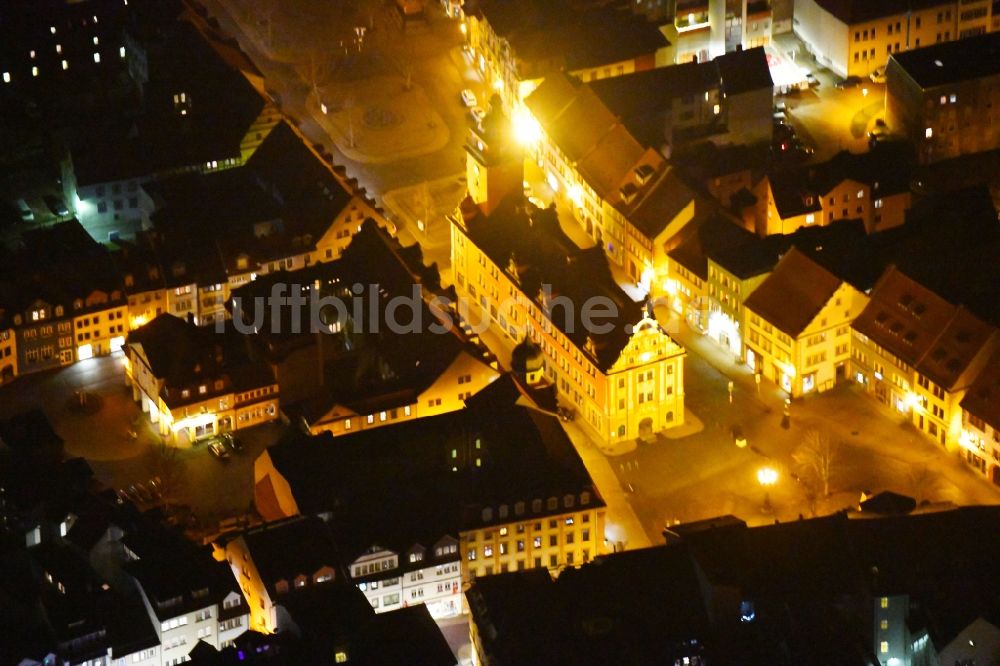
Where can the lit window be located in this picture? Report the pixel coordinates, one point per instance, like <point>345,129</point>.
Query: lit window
<point>34,71</point>
<point>861,194</point>
<point>883,647</point>
<point>52,29</point>
<point>884,602</point>
<point>503,531</point>
<point>97,57</point>
<point>347,424</point>
<point>371,418</point>
<point>381,416</point>
<point>6,77</point>
<point>928,133</point>
<point>953,99</point>
<point>32,54</point>
<point>65,65</point>
<point>943,100</point>
<point>810,218</point>
<point>716,109</point>
<point>58,48</point>
<point>878,203</point>
<point>121,51</point>
<point>340,657</point>
<point>883,625</point>
<point>96,41</point>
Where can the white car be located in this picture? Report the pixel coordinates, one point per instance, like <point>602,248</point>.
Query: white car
<point>878,76</point>
<point>469,98</point>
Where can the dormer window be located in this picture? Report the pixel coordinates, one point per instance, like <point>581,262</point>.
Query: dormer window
<point>628,192</point>
<point>643,173</point>
<point>38,315</point>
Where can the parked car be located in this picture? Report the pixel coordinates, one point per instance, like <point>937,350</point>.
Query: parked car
<point>780,107</point>
<point>156,487</point>
<point>812,80</point>
<point>27,215</point>
<point>143,492</point>
<point>739,437</point>
<point>133,494</point>
<point>877,135</point>
<point>566,414</point>
<point>478,113</point>
<point>878,76</point>
<point>56,205</point>
<point>217,449</point>
<point>232,442</point>
<point>469,98</point>
<point>849,82</point>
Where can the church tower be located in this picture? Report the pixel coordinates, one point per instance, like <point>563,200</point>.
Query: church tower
<point>494,162</point>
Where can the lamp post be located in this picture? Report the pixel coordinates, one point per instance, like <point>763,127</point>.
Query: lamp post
<point>767,477</point>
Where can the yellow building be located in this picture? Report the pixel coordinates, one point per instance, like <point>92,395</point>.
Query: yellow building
<point>798,331</point>
<point>100,323</point>
<point>194,382</point>
<point>515,49</point>
<point>980,435</point>
<point>855,37</point>
<point>919,354</point>
<point>500,477</point>
<point>517,273</point>
<point>873,187</point>
<point>625,196</point>
<point>8,353</point>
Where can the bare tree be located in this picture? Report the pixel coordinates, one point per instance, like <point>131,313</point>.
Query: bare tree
<point>169,467</point>
<point>818,457</point>
<point>923,485</point>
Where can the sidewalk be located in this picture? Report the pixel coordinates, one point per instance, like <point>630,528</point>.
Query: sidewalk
<point>621,523</point>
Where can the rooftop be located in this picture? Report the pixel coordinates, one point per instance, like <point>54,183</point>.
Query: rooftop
<point>286,549</point>
<point>938,339</point>
<point>419,480</point>
<point>794,293</point>
<point>529,244</point>
<point>860,11</point>
<point>952,62</point>
<point>983,398</point>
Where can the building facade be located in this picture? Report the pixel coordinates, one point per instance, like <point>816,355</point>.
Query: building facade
<point>946,99</point>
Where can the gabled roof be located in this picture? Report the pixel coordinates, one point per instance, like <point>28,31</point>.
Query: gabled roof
<point>938,339</point>
<point>181,355</point>
<point>286,549</point>
<point>794,293</point>
<point>983,398</point>
<point>531,247</point>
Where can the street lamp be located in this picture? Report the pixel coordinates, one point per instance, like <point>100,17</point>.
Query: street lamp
<point>767,477</point>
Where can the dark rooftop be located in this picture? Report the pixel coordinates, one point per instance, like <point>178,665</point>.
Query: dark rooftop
<point>529,244</point>
<point>419,480</point>
<point>952,62</point>
<point>286,549</point>
<point>794,293</point>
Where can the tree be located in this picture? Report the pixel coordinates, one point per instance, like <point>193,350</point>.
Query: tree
<point>818,457</point>
<point>923,485</point>
<point>169,467</point>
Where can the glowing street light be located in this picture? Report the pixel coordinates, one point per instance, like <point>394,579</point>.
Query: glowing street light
<point>526,129</point>
<point>767,477</point>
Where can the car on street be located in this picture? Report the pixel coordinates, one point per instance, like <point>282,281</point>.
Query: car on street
<point>143,492</point>
<point>469,98</point>
<point>218,449</point>
<point>812,80</point>
<point>477,113</point>
<point>739,437</point>
<point>27,215</point>
<point>850,82</point>
<point>878,76</point>
<point>56,205</point>
<point>780,107</point>
<point>232,442</point>
<point>877,135</point>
